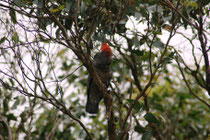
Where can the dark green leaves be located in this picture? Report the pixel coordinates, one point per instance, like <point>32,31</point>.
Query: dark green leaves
<point>17,102</point>
<point>137,105</point>
<point>2,40</point>
<point>143,12</point>
<point>147,135</point>
<point>138,52</point>
<point>16,38</point>
<point>11,117</point>
<point>6,85</point>
<point>139,129</point>
<point>13,16</point>
<point>11,81</point>
<point>158,44</point>
<point>169,58</point>
<point>146,56</point>
<point>151,118</point>
<point>135,41</point>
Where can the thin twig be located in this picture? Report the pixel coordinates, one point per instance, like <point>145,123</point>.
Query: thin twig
<point>67,75</point>
<point>188,86</point>
<point>52,132</point>
<point>178,12</point>
<point>150,81</point>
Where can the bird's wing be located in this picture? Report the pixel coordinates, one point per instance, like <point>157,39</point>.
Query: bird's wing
<point>90,80</point>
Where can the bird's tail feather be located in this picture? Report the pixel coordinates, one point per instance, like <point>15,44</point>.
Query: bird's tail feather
<point>91,108</point>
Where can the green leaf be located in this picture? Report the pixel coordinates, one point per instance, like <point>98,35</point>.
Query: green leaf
<point>5,105</point>
<point>193,4</point>
<point>147,135</point>
<point>6,86</point>
<point>166,60</point>
<point>61,53</point>
<point>130,100</point>
<point>185,13</point>
<point>16,103</point>
<point>23,100</point>
<point>139,129</point>
<point>13,16</point>
<point>137,105</point>
<point>142,41</point>
<point>145,56</point>
<point>143,11</point>
<point>155,18</point>
<point>2,40</point>
<point>57,9</point>
<point>138,52</point>
<point>11,81</point>
<point>158,44</point>
<point>61,91</point>
<point>151,118</point>
<point>61,77</point>
<point>135,41</point>
<point>11,117</point>
<point>57,90</point>
<point>15,37</point>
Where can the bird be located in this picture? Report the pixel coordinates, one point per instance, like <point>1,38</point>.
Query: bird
<point>102,63</point>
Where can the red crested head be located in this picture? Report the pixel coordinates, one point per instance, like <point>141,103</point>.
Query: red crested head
<point>105,48</point>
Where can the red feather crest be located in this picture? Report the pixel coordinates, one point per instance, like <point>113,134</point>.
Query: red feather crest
<point>106,48</point>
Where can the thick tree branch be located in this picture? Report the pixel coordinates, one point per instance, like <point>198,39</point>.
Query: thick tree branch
<point>86,59</point>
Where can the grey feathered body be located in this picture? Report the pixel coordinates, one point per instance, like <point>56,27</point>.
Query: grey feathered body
<point>102,63</point>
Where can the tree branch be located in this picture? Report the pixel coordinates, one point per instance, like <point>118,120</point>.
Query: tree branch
<point>151,78</point>
<point>87,62</point>
<point>10,137</point>
<point>203,43</point>
<point>188,86</point>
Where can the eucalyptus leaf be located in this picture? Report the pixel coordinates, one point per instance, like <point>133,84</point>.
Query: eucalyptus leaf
<point>13,16</point>
<point>139,129</point>
<point>151,118</point>
<point>2,40</point>
<point>147,135</point>
<point>16,38</point>
<point>11,117</point>
<point>158,44</point>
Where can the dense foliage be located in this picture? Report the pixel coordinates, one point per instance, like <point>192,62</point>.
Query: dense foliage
<point>46,50</point>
